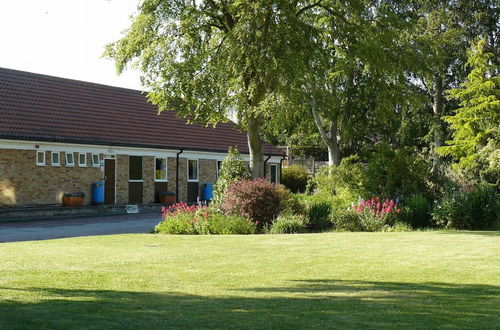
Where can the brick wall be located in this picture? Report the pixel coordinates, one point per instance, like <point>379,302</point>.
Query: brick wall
<point>122,179</point>
<point>148,175</point>
<point>22,182</point>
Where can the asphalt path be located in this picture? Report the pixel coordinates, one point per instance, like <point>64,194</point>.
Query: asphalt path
<point>81,226</point>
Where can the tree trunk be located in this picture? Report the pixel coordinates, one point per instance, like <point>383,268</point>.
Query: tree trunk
<point>437,108</point>
<point>330,138</point>
<point>255,146</point>
<point>333,148</point>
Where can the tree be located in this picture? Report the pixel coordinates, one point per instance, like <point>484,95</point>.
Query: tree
<point>348,88</point>
<point>207,58</point>
<point>476,124</point>
<point>232,169</point>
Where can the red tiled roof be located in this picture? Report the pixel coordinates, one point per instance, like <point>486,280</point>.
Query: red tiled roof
<point>45,108</point>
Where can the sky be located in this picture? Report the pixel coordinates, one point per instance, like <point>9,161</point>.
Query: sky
<point>65,38</point>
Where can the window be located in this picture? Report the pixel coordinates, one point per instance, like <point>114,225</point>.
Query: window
<point>56,158</point>
<point>82,159</point>
<point>40,158</point>
<point>135,168</point>
<point>70,160</point>
<point>192,169</point>
<point>160,169</point>
<point>274,173</point>
<point>219,167</point>
<point>96,160</point>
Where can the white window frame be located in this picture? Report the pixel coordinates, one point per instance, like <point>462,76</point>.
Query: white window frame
<point>98,160</point>
<point>197,170</point>
<point>66,157</point>
<point>271,171</point>
<point>58,163</point>
<point>80,164</point>
<point>166,169</point>
<point>36,158</point>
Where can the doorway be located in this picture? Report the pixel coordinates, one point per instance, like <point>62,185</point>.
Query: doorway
<point>109,181</point>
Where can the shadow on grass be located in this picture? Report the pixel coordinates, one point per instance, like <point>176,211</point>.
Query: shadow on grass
<point>303,304</point>
<point>470,232</point>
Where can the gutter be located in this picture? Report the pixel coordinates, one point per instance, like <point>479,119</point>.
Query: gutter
<point>177,175</point>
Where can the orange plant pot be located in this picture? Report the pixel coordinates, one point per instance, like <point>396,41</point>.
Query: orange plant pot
<point>167,199</point>
<point>72,201</point>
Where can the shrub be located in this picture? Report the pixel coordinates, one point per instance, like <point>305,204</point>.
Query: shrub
<point>348,176</point>
<point>230,224</point>
<point>291,203</point>
<point>375,214</point>
<point>318,214</point>
<point>417,211</point>
<point>459,209</point>
<point>398,226</point>
<point>295,178</point>
<point>232,169</point>
<point>288,224</point>
<point>193,220</point>
<point>258,200</point>
<point>346,220</point>
<point>391,173</point>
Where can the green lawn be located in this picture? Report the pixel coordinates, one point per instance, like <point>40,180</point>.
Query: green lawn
<point>331,280</point>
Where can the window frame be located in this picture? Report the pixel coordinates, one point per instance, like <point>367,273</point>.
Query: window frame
<point>68,164</point>
<point>166,170</point>
<point>52,153</point>
<point>197,170</point>
<point>94,164</point>
<point>80,164</point>
<point>36,158</point>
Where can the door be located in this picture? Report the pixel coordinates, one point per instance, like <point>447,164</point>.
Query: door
<point>109,181</point>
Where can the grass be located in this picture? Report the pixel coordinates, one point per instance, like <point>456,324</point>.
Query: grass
<point>331,280</point>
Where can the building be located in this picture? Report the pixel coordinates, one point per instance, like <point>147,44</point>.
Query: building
<point>59,136</point>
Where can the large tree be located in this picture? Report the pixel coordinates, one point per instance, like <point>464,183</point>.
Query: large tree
<point>476,123</point>
<point>206,59</point>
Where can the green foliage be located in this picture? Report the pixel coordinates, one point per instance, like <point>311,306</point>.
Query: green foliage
<point>398,226</point>
<point>292,203</point>
<point>204,222</point>
<point>230,224</point>
<point>346,220</point>
<point>417,211</point>
<point>476,209</point>
<point>288,224</point>
<point>232,169</point>
<point>391,173</point>
<point>477,121</point>
<point>318,215</point>
<point>295,178</point>
<point>349,175</point>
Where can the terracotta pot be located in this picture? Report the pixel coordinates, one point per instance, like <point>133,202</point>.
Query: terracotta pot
<point>72,201</point>
<point>166,199</point>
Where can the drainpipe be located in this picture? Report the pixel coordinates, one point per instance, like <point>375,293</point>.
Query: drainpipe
<point>265,163</point>
<point>281,166</point>
<point>177,175</point>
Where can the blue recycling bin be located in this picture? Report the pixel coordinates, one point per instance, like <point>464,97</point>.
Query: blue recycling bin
<point>98,193</point>
<point>207,192</point>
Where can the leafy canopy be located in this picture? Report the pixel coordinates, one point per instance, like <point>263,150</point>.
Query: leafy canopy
<point>477,121</point>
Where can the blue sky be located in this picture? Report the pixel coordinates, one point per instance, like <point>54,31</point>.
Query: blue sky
<point>65,38</point>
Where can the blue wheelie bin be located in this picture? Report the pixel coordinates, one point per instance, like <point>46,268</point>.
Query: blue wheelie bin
<point>207,192</point>
<point>98,193</point>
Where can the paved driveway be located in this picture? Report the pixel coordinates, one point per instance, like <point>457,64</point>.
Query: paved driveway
<point>59,228</point>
